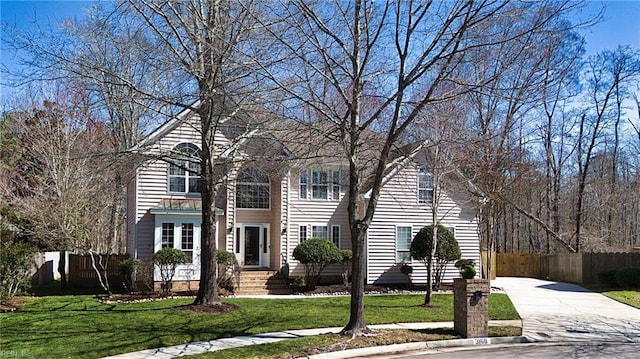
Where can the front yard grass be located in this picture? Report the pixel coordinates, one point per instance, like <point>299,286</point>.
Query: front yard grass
<point>627,296</point>
<point>83,327</point>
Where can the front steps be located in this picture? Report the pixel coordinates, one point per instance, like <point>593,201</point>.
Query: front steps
<point>260,282</point>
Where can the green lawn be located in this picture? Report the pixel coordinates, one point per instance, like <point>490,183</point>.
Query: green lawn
<point>82,327</point>
<point>628,296</point>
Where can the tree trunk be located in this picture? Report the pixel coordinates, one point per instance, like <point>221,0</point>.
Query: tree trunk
<point>208,289</point>
<point>356,325</point>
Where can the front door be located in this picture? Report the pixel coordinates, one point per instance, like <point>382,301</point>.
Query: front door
<point>255,246</point>
<point>251,246</point>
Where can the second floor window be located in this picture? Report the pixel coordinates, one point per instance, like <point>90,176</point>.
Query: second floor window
<point>325,184</point>
<point>425,186</point>
<point>184,172</point>
<point>252,189</point>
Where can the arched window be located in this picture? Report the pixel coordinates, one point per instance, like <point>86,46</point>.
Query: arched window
<point>252,189</point>
<point>184,171</point>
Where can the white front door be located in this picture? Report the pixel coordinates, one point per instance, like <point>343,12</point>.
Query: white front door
<point>254,245</point>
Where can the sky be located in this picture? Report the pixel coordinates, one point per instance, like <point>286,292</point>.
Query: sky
<point>620,24</point>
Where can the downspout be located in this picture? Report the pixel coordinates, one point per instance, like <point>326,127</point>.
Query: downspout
<point>287,219</point>
<point>135,213</point>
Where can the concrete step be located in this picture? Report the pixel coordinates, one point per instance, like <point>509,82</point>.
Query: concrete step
<point>255,282</point>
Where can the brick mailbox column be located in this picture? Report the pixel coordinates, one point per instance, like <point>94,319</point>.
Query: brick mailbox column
<point>471,307</point>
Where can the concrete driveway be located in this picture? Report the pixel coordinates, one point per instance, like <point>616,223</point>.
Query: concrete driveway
<point>555,311</point>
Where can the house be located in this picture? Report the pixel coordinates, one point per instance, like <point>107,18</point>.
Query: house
<point>264,211</point>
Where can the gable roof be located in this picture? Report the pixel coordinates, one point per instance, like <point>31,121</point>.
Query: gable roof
<point>405,155</point>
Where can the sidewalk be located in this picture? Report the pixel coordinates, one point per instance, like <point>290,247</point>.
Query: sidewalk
<point>555,311</point>
<point>236,342</point>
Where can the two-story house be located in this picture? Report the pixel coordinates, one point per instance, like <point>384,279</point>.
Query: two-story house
<point>265,211</point>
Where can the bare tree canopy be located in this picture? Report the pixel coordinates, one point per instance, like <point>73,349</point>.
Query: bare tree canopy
<point>367,70</point>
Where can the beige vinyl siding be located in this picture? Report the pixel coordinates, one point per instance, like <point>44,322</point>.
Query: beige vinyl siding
<point>315,212</point>
<point>152,181</point>
<point>398,206</point>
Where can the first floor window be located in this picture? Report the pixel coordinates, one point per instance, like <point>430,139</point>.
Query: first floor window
<point>166,238</point>
<point>180,234</point>
<point>303,233</point>
<point>403,244</point>
<point>329,232</point>
<point>320,232</point>
<point>186,240</point>
<point>335,235</point>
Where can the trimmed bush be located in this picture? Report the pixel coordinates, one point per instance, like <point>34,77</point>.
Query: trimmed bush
<point>128,269</point>
<point>628,277</point>
<point>608,278</point>
<point>167,261</point>
<point>447,250</point>
<point>315,254</point>
<point>226,269</point>
<point>467,268</point>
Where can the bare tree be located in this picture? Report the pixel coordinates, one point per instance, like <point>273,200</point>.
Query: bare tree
<point>208,44</point>
<point>59,185</point>
<point>381,65</point>
<point>606,74</point>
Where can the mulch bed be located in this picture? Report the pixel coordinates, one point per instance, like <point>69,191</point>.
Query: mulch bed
<point>11,304</point>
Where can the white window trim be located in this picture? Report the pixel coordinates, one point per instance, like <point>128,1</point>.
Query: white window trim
<point>428,187</point>
<point>268,185</point>
<point>186,176</point>
<point>331,234</point>
<point>332,188</point>
<point>330,228</point>
<point>177,234</point>
<point>395,237</point>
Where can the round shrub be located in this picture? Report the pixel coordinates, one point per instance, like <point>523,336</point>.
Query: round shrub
<point>447,247</point>
<point>167,260</point>
<point>607,278</point>
<point>128,269</point>
<point>226,265</point>
<point>628,277</point>
<point>315,254</point>
<point>467,268</point>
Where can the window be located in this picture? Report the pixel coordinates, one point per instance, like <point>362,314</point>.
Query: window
<point>329,232</point>
<point>325,184</point>
<point>186,240</point>
<point>303,233</point>
<point>304,182</point>
<point>403,244</point>
<point>425,186</point>
<point>319,186</point>
<point>252,189</point>
<point>320,232</point>
<point>184,172</point>
<point>167,235</point>
<point>183,234</point>
<point>335,235</point>
<point>335,186</point>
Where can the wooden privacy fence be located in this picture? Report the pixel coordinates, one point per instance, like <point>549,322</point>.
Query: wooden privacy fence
<point>82,274</point>
<point>567,267</point>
